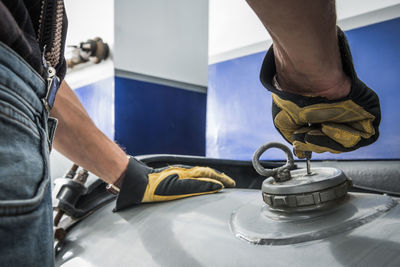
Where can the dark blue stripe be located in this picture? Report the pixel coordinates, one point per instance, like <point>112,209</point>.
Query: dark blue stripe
<point>152,118</point>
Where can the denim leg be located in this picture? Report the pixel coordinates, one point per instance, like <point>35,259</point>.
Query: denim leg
<point>26,232</point>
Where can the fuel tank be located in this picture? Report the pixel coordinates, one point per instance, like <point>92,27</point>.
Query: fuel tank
<point>235,227</point>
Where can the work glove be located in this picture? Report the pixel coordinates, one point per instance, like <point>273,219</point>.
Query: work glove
<point>141,184</point>
<point>318,124</point>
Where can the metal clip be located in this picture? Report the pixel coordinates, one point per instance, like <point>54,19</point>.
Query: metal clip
<point>53,83</point>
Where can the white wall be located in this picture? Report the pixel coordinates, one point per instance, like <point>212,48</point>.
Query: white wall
<point>233,25</point>
<point>236,31</point>
<point>351,8</point>
<point>163,39</point>
<point>88,19</point>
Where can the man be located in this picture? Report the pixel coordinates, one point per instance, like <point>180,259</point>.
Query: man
<point>31,67</point>
<point>28,82</point>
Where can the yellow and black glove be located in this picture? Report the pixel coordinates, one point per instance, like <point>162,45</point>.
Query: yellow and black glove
<point>319,125</point>
<point>142,184</point>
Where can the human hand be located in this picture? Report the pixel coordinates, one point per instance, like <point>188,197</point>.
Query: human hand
<point>144,184</point>
<point>318,124</point>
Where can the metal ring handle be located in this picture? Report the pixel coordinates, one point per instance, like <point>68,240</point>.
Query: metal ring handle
<point>280,174</point>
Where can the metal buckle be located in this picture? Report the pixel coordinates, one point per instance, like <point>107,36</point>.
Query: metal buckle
<point>53,83</point>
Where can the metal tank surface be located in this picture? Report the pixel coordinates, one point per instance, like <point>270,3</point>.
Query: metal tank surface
<point>238,227</point>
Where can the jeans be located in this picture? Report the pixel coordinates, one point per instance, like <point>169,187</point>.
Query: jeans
<point>26,228</point>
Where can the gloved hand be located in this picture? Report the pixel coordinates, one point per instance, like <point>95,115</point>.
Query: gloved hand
<point>318,124</point>
<point>142,184</point>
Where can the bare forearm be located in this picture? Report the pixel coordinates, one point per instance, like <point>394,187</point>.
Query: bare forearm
<point>306,48</point>
<point>78,138</point>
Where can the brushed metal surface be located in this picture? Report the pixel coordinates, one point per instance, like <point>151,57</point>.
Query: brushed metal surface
<point>267,227</point>
<point>196,232</point>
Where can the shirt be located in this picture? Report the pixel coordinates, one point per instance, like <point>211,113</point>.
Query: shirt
<point>34,27</point>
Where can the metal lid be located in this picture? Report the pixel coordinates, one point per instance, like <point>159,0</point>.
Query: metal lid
<point>303,189</point>
<point>304,192</point>
<point>300,183</point>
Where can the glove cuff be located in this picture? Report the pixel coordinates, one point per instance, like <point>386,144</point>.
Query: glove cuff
<point>268,71</point>
<point>133,185</point>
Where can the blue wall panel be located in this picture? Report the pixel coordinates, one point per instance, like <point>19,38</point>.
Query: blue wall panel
<point>152,118</point>
<point>98,100</point>
<point>239,107</point>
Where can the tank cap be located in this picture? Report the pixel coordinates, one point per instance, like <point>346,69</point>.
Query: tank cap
<point>300,190</point>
